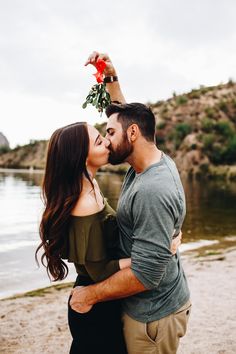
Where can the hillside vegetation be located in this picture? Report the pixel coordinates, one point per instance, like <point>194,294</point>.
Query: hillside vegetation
<point>198,129</point>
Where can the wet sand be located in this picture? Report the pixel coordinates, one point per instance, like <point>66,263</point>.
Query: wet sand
<point>38,323</point>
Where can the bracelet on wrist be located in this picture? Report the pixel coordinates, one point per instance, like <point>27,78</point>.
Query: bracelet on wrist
<point>110,79</point>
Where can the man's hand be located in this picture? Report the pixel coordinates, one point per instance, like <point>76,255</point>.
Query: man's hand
<point>176,242</point>
<point>79,299</point>
<point>112,88</point>
<point>109,69</point>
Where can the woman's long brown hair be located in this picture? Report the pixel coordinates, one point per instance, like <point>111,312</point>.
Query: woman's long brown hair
<point>62,184</point>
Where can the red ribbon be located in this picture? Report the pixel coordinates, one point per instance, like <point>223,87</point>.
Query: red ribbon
<point>100,66</point>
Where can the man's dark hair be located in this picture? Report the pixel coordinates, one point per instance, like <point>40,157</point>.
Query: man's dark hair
<point>135,113</point>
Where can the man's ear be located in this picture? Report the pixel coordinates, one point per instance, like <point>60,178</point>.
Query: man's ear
<point>133,132</point>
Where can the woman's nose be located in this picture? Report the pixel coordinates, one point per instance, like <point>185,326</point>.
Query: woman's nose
<point>107,142</point>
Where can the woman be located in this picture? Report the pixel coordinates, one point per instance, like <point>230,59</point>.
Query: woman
<point>79,225</point>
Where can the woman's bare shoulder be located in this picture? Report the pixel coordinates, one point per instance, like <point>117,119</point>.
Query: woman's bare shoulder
<point>86,205</point>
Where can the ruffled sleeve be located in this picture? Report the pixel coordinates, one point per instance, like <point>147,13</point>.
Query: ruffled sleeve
<point>87,246</point>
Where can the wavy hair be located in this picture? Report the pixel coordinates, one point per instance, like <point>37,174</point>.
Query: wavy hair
<point>62,185</point>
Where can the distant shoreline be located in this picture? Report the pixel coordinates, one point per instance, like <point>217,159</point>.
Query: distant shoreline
<point>21,170</point>
<point>119,169</point>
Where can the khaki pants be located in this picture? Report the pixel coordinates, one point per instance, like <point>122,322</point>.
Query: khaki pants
<point>158,337</point>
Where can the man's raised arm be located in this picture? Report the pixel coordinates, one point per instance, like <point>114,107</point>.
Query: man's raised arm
<point>113,87</point>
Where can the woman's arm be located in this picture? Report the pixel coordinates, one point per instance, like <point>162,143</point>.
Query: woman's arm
<point>176,242</point>
<point>113,88</point>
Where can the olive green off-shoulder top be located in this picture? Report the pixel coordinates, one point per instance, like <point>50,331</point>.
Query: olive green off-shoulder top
<point>92,240</point>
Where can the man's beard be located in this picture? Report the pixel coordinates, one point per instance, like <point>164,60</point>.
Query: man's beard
<point>122,151</point>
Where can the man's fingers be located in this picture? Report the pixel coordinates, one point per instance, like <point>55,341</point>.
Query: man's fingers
<point>81,308</point>
<point>92,58</point>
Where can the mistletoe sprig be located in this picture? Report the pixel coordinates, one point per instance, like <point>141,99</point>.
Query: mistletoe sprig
<point>98,96</point>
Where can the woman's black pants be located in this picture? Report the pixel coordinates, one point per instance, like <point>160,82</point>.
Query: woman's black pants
<point>99,330</point>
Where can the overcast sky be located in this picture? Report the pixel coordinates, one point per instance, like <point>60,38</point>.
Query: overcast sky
<point>158,47</point>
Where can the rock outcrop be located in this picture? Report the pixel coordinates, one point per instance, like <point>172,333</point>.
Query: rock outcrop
<point>3,141</point>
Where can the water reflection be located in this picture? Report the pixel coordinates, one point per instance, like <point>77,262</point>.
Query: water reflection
<point>30,179</point>
<point>210,209</point>
<point>211,206</point>
<point>210,214</point>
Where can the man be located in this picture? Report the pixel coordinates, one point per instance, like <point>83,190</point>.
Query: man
<point>150,211</point>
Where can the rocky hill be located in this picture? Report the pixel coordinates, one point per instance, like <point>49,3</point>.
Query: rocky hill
<point>198,129</point>
<point>4,143</point>
<point>30,156</point>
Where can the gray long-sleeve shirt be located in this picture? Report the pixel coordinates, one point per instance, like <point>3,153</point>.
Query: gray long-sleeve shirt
<point>151,208</point>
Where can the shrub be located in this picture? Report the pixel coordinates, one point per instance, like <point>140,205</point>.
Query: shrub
<point>217,154</point>
<point>223,106</point>
<point>177,135</point>
<point>183,129</point>
<point>204,168</point>
<point>194,94</point>
<point>161,125</point>
<point>4,149</point>
<point>181,99</point>
<point>164,110</point>
<point>230,82</point>
<point>224,128</point>
<point>230,151</point>
<point>208,141</point>
<point>210,112</point>
<point>204,89</point>
<point>207,125</point>
<point>160,139</point>
<point>233,102</point>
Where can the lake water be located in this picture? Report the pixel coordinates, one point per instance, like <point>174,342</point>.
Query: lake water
<point>211,213</point>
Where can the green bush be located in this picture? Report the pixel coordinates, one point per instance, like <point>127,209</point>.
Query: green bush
<point>177,135</point>
<point>193,147</point>
<point>194,94</point>
<point>224,128</point>
<point>210,112</point>
<point>204,89</point>
<point>183,129</point>
<point>208,141</point>
<point>161,125</point>
<point>230,82</point>
<point>181,99</point>
<point>163,110</point>
<point>230,151</point>
<point>223,106</point>
<point>4,149</point>
<point>160,139</point>
<point>217,154</point>
<point>207,125</point>
<point>233,102</point>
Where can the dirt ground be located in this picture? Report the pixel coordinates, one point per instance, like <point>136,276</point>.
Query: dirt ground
<point>38,324</point>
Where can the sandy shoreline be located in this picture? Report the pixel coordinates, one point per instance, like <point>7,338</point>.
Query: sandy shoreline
<point>38,324</point>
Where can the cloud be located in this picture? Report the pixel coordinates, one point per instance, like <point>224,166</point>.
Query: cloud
<point>158,46</point>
